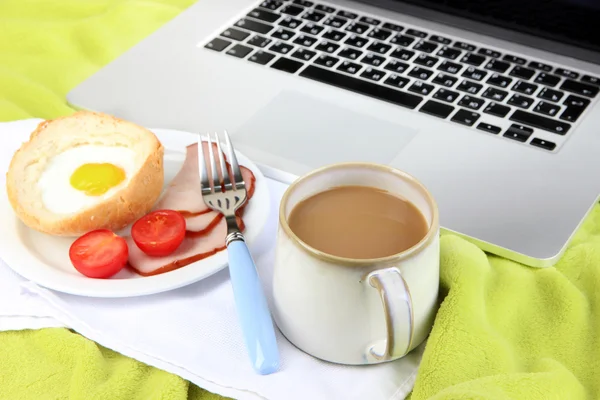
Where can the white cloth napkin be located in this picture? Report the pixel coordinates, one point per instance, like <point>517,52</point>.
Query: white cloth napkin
<point>193,331</point>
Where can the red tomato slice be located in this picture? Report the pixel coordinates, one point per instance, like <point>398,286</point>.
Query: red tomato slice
<point>159,233</point>
<point>99,254</point>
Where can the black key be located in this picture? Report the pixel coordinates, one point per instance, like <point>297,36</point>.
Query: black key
<point>499,80</point>
<point>437,109</point>
<point>271,4</point>
<point>575,107</point>
<point>524,87</point>
<point>373,74</point>
<point>450,67</point>
<point>349,67</point>
<point>489,128</point>
<point>254,26</point>
<point>263,15</point>
<point>514,59</point>
<point>497,65</point>
<point>421,88</point>
<point>496,109</point>
<point>537,121</point>
<point>550,109</point>
<point>362,86</point>
<point>522,72</point>
<point>464,46</point>
<point>591,79</point>
<point>291,9</point>
<point>332,34</point>
<point>356,41</point>
<point>402,54</point>
<point>396,66</point>
<point>287,65</point>
<point>235,34</point>
<point>544,144</point>
<point>539,65</point>
<point>440,39</point>
<point>465,117</point>
<point>305,40</point>
<point>473,59</point>
<point>449,52</point>
<point>373,59</point>
<point>327,46</point>
<point>281,47</point>
<point>426,60</point>
<point>421,73</point>
<point>259,41</point>
<point>471,102</point>
<point>327,61</point>
<point>579,88</point>
<point>474,73</point>
<point>315,29</point>
<point>379,47</point>
<point>547,79</point>
<point>370,21</point>
<point>313,16</point>
<point>289,22</point>
<point>239,51</point>
<point>325,9</point>
<point>566,73</point>
<point>520,101</point>
<point>495,94</point>
<point>470,87</point>
<point>304,3</point>
<point>350,53</point>
<point>261,57</point>
<point>446,95</point>
<point>393,27</point>
<point>519,133</point>
<point>336,22</point>
<point>397,81</point>
<point>283,34</point>
<point>356,27</point>
<point>414,32</point>
<point>489,52</point>
<point>402,40</point>
<point>550,94</point>
<point>425,46</point>
<point>304,54</point>
<point>380,34</point>
<point>347,14</point>
<point>218,44</point>
<point>445,80</point>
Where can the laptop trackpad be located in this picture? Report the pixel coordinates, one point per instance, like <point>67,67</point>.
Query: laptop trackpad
<point>306,131</point>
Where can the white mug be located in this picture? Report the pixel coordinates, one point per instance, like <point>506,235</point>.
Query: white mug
<point>352,311</point>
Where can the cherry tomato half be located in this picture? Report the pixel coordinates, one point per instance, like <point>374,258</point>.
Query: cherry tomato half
<point>159,233</point>
<point>99,254</point>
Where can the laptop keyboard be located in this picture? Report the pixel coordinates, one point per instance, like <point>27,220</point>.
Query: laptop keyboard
<point>507,95</point>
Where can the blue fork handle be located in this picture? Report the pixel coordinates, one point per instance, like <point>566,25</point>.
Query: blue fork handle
<point>252,308</point>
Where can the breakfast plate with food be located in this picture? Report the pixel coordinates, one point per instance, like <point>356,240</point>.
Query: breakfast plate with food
<point>98,206</point>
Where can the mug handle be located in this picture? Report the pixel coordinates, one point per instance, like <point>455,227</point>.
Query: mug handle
<point>398,310</point>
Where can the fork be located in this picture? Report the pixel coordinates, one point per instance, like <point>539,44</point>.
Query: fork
<point>226,194</point>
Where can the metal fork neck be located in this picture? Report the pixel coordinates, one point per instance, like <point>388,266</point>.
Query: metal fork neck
<point>233,231</point>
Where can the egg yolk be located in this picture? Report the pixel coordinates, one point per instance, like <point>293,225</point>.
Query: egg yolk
<point>97,179</point>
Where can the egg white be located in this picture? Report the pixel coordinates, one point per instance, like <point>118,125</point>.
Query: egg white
<point>59,197</point>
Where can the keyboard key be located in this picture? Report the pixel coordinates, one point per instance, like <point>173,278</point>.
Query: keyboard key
<point>450,67</point>
<point>327,61</point>
<point>304,3</point>
<point>440,39</point>
<point>287,65</point>
<point>305,40</point>
<point>402,40</point>
<point>591,79</point>
<point>254,26</point>
<point>519,133</point>
<point>263,15</point>
<point>356,27</point>
<point>261,57</point>
<point>291,10</point>
<point>289,22</point>
<point>426,47</point>
<point>402,54</point>
<point>497,65</point>
<point>313,16</point>
<point>488,128</point>
<point>566,73</point>
<point>496,109</point>
<point>437,109</point>
<point>445,80</point>
<point>271,4</point>
<point>541,66</point>
<point>522,72</point>
<point>579,88</point>
<point>543,107</point>
<point>281,47</point>
<point>538,121</point>
<point>473,59</point>
<point>393,27</point>
<point>464,46</point>
<point>370,21</point>
<point>474,73</point>
<point>379,47</point>
<point>489,52</point>
<point>334,35</point>
<point>575,107</point>
<point>446,95</point>
<point>283,34</point>
<point>362,86</point>
<point>304,54</point>
<point>520,101</point>
<point>350,53</point>
<point>356,41</point>
<point>495,94</point>
<point>470,87</point>
<point>514,59</point>
<point>499,80</point>
<point>544,144</point>
<point>314,29</point>
<point>465,117</point>
<point>325,9</point>
<point>374,59</point>
<point>421,73</point>
<point>449,52</point>
<point>235,34</point>
<point>550,94</point>
<point>373,74</point>
<point>414,32</point>
<point>380,34</point>
<point>327,46</point>
<point>547,79</point>
<point>259,41</point>
<point>396,81</point>
<point>525,87</point>
<point>426,60</point>
<point>421,88</point>
<point>396,66</point>
<point>349,67</point>
<point>336,22</point>
<point>347,14</point>
<point>218,44</point>
<point>239,51</point>
<point>471,102</point>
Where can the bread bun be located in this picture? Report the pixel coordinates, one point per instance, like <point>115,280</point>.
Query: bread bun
<point>39,181</point>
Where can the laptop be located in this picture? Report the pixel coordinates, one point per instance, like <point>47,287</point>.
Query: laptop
<point>493,105</point>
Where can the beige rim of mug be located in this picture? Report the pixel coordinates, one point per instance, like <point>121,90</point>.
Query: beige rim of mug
<point>352,261</point>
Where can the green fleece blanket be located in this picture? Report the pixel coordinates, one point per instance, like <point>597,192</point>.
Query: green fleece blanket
<point>503,331</point>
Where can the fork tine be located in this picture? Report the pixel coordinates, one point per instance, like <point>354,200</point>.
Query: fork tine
<point>238,181</point>
<point>213,167</point>
<point>205,184</point>
<point>224,170</point>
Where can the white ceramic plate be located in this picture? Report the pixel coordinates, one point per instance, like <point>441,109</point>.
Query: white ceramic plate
<point>44,259</point>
